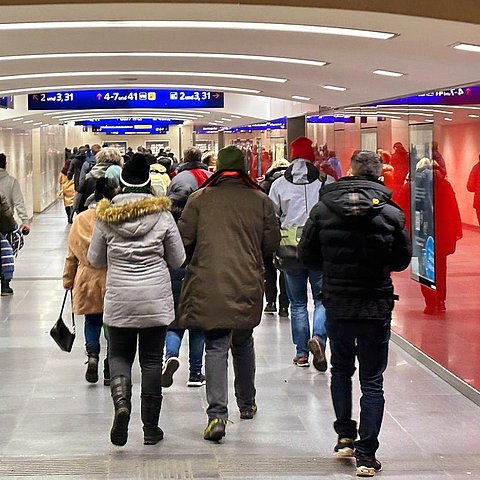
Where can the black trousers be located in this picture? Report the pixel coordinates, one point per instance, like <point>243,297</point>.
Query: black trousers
<point>122,347</point>
<point>271,284</point>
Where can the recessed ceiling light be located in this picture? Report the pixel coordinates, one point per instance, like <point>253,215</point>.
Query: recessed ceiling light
<point>448,119</point>
<point>17,119</point>
<point>333,87</point>
<point>429,120</point>
<point>300,97</point>
<point>388,73</point>
<point>37,123</point>
<point>193,24</point>
<point>17,91</point>
<point>236,76</point>
<point>28,121</point>
<point>221,56</point>
<point>474,116</point>
<point>227,119</point>
<point>468,47</point>
<point>235,116</point>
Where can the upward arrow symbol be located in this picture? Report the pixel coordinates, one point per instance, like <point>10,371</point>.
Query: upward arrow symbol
<point>99,96</point>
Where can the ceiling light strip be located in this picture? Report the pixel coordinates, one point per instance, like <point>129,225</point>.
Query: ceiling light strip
<point>236,76</point>
<point>468,47</point>
<point>221,56</point>
<point>18,91</point>
<point>334,87</point>
<point>388,73</point>
<point>193,24</point>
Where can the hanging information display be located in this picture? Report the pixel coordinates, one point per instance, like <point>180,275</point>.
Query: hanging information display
<point>451,96</point>
<point>131,98</point>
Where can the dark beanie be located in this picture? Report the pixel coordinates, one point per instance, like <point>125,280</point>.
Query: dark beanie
<point>230,158</point>
<point>136,172</point>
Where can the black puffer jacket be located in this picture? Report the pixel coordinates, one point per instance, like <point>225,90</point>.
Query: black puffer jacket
<point>356,236</point>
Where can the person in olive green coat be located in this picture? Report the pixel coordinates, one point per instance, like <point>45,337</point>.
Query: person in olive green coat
<point>227,228</point>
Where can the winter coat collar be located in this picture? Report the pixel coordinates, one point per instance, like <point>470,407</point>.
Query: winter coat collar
<point>217,178</point>
<point>109,212</point>
<point>192,166</point>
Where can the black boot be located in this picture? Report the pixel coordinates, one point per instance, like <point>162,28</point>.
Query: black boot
<point>151,406</point>
<point>91,375</point>
<point>121,389</point>
<point>106,372</point>
<point>6,289</point>
<point>69,211</point>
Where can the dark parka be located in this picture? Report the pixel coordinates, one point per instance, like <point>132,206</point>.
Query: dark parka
<point>356,236</point>
<point>226,229</point>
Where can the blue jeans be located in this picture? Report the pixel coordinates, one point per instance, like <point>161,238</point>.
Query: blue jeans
<point>368,341</point>
<point>196,343</point>
<point>92,328</point>
<point>296,285</point>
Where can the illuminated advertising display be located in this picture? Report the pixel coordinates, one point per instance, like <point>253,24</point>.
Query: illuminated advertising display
<point>131,98</point>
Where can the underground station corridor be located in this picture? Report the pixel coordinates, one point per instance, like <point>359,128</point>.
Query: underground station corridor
<point>161,77</point>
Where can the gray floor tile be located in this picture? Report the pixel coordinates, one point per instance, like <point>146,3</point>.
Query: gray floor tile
<point>52,423</point>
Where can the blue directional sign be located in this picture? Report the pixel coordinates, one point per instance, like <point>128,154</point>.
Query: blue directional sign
<point>6,102</point>
<point>112,99</point>
<point>139,122</point>
<point>452,96</point>
<point>130,131</point>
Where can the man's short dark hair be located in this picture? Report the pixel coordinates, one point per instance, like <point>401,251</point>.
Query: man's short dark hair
<point>3,160</point>
<point>366,164</point>
<point>192,154</point>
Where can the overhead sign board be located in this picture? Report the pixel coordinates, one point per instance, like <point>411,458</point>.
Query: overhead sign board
<point>451,96</point>
<point>6,102</point>
<point>131,130</point>
<point>113,99</point>
<point>139,122</point>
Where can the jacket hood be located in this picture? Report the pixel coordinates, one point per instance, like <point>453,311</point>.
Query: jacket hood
<point>301,172</point>
<point>356,197</point>
<point>98,170</point>
<point>275,173</point>
<point>156,167</point>
<point>130,214</point>
<point>191,166</point>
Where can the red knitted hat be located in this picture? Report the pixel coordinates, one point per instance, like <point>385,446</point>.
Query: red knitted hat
<point>301,147</point>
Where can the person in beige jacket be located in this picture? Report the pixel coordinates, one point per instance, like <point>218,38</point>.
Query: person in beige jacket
<point>67,190</point>
<point>88,282</point>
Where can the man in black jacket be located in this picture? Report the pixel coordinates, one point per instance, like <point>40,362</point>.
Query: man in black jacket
<point>356,236</point>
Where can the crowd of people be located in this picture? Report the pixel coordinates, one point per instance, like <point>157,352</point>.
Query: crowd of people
<point>149,260</point>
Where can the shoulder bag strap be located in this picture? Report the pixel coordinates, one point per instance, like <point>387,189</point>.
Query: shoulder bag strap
<point>71,309</point>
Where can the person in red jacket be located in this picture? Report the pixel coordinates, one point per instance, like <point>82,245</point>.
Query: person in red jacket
<point>473,185</point>
<point>448,230</point>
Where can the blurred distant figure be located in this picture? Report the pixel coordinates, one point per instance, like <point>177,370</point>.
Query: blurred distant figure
<point>473,185</point>
<point>388,172</point>
<point>67,190</point>
<point>400,162</point>
<point>334,162</point>
<point>448,230</point>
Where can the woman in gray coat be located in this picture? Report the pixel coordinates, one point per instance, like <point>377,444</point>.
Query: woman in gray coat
<point>136,238</point>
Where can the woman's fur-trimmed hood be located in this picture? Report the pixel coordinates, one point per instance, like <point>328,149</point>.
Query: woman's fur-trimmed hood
<point>111,213</point>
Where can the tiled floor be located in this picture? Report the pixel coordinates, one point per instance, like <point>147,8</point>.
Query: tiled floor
<point>55,425</point>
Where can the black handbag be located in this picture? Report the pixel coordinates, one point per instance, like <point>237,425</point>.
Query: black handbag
<point>60,332</point>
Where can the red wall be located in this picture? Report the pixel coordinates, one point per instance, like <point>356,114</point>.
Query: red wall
<point>460,147</point>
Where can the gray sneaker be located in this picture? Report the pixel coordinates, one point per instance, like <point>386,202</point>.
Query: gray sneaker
<point>318,351</point>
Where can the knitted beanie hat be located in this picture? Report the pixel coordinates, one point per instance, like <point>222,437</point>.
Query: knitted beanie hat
<point>230,158</point>
<point>301,147</point>
<point>136,172</point>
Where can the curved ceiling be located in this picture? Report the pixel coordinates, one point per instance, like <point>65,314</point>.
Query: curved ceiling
<point>460,10</point>
<point>277,51</point>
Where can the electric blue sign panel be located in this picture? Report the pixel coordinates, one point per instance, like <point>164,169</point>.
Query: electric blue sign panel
<point>130,131</point>
<point>127,122</point>
<point>112,99</point>
<point>6,102</point>
<point>452,96</point>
